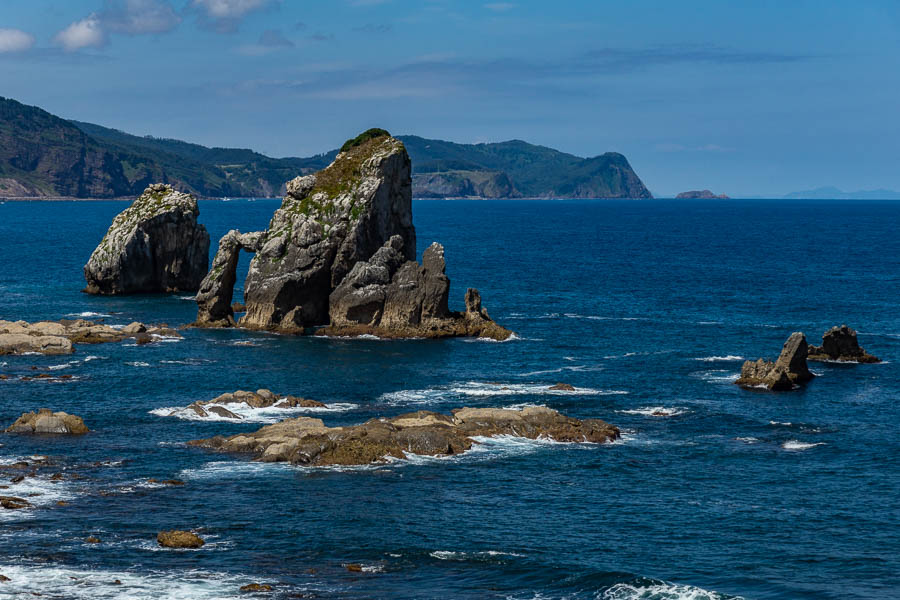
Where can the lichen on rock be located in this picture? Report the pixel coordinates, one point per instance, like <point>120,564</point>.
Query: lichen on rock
<point>155,245</point>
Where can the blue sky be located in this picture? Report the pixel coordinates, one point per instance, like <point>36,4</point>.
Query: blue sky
<point>744,98</point>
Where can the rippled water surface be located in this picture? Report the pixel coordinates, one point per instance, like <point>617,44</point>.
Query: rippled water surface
<point>647,307</point>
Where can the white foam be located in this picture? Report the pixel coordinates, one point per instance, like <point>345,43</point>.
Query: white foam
<point>575,368</point>
<point>39,491</point>
<point>233,469</point>
<point>451,555</point>
<point>248,413</point>
<point>63,582</point>
<point>138,364</point>
<point>62,366</point>
<point>747,440</point>
<point>512,338</point>
<point>168,339</point>
<point>191,298</point>
<point>797,445</point>
<point>89,314</point>
<point>656,411</point>
<point>716,375</point>
<point>661,591</point>
<point>488,448</point>
<point>189,361</point>
<point>484,390</point>
<point>728,357</point>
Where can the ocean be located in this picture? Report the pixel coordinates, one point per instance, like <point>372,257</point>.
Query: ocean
<point>645,306</point>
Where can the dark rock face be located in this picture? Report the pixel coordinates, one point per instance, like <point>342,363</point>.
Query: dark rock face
<point>700,195</point>
<point>155,245</point>
<point>327,223</point>
<point>389,296</point>
<point>789,369</point>
<point>840,344</point>
<point>308,441</point>
<point>214,308</point>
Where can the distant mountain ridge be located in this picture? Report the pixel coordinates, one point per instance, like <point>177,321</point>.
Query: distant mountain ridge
<point>833,193</point>
<point>44,155</point>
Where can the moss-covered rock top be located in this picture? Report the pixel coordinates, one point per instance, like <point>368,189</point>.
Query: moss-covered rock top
<point>369,134</point>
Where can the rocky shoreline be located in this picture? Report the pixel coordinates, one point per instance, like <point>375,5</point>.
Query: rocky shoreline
<point>59,337</point>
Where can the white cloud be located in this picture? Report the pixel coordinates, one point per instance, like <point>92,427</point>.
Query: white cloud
<point>224,15</point>
<point>137,17</point>
<point>15,40</point>
<point>86,33</point>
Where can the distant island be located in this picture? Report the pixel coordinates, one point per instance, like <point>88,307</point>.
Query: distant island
<point>42,155</point>
<point>700,195</point>
<point>833,193</point>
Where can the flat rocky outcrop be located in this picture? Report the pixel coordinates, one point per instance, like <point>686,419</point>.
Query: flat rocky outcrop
<point>788,370</point>
<point>260,399</point>
<point>214,307</point>
<point>155,245</point>
<point>841,344</point>
<point>307,441</point>
<point>326,224</point>
<point>47,421</point>
<point>57,337</point>
<point>390,296</point>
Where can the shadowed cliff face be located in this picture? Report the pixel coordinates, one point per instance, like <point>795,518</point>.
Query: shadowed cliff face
<point>327,223</point>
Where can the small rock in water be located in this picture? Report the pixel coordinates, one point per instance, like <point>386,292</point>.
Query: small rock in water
<point>47,421</point>
<point>840,344</point>
<point>781,375</point>
<point>166,481</point>
<point>563,387</point>
<point>354,568</point>
<point>13,503</point>
<point>4,578</point>
<point>179,539</point>
<point>256,587</point>
<point>92,540</point>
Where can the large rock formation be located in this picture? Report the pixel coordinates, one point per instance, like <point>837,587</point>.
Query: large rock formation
<point>340,251</point>
<point>214,298</point>
<point>840,344</point>
<point>308,441</point>
<point>326,224</point>
<point>701,195</point>
<point>789,369</point>
<point>390,296</point>
<point>57,337</point>
<point>155,245</point>
<point>47,421</point>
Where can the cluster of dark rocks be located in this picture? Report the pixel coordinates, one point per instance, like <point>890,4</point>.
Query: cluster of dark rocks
<point>58,337</point>
<point>790,369</point>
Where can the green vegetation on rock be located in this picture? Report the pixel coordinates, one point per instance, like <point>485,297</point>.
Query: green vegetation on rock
<point>365,136</point>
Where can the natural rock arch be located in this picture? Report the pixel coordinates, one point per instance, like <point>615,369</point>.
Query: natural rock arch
<point>216,291</point>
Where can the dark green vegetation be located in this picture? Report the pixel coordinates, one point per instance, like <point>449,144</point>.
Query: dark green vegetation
<point>43,155</point>
<point>365,136</point>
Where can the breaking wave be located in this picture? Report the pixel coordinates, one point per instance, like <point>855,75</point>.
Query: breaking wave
<point>485,390</point>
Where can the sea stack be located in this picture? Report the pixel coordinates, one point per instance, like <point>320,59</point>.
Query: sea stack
<point>790,369</point>
<point>155,245</point>
<point>340,251</point>
<point>840,344</point>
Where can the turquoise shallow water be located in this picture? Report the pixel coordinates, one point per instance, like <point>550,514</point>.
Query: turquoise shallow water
<point>642,305</point>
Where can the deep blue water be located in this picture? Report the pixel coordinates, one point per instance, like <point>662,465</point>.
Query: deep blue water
<point>740,493</point>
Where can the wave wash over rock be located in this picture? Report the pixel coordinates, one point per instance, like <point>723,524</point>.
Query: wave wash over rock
<point>328,223</point>
<point>155,245</point>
